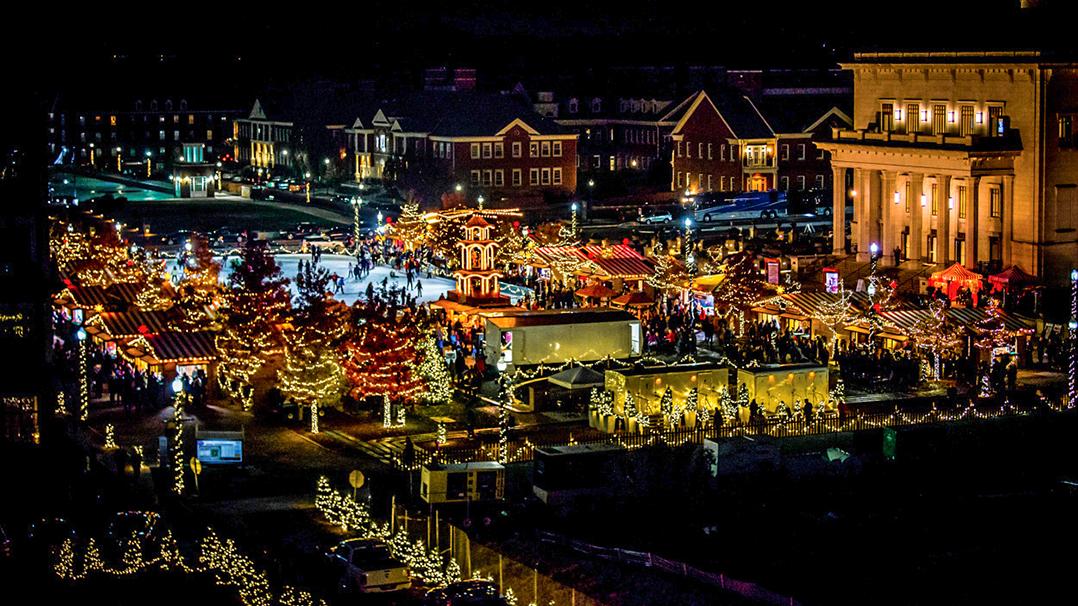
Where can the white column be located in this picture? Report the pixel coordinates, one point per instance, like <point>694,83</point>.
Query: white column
<point>944,237</point>
<point>888,235</point>
<point>838,210</point>
<point>916,218</point>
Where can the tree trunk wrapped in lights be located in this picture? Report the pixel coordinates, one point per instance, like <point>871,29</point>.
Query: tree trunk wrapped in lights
<point>506,400</point>
<point>836,313</point>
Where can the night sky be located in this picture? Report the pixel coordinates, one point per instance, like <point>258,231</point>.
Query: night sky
<point>384,40</point>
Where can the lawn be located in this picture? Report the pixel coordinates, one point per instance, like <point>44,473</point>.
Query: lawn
<point>166,216</point>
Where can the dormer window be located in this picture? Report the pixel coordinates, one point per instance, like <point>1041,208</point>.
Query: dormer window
<point>574,105</point>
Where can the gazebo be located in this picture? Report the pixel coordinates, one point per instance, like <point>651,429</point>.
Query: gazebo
<point>952,279</point>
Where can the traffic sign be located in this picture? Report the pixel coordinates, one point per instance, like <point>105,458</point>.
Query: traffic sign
<point>356,479</point>
<point>196,465</point>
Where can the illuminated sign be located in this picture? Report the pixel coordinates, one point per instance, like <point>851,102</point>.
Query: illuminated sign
<point>218,451</point>
<point>831,280</point>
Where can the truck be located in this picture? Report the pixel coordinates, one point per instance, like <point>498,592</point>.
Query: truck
<point>367,567</point>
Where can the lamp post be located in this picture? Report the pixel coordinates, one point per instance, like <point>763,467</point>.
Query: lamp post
<point>149,163</point>
<point>92,150</point>
<point>479,201</point>
<point>84,380</point>
<point>874,320</point>
<point>119,160</point>
<point>356,203</point>
<point>576,223</point>
<point>307,185</point>
<point>176,443</point>
<point>690,268</point>
<point>1072,368</point>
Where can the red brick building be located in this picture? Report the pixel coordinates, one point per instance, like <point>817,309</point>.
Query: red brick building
<point>490,144</point>
<point>723,141</point>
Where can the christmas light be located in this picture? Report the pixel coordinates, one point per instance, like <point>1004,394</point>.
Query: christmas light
<point>110,437</point>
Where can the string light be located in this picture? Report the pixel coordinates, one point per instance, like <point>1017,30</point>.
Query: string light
<point>176,444</point>
<point>110,437</point>
<point>440,437</point>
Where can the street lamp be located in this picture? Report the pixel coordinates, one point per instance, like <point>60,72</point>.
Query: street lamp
<point>458,187</point>
<point>119,160</point>
<point>575,224</point>
<point>356,203</point>
<point>84,380</point>
<point>480,201</point>
<point>149,163</point>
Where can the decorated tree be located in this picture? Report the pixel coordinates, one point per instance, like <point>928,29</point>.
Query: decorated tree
<point>379,357</point>
<point>602,401</point>
<point>666,406</point>
<point>992,335</point>
<point>513,248</point>
<point>670,275</point>
<point>935,335</point>
<point>741,284</point>
<point>411,227</point>
<point>434,372</point>
<point>199,288</point>
<point>835,312</point>
<point>254,304</point>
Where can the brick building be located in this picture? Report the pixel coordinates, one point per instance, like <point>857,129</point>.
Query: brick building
<point>724,141</point>
<point>136,130</point>
<point>492,144</point>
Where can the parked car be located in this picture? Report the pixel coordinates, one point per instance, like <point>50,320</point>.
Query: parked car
<point>367,567</point>
<point>465,593</point>
<point>654,217</point>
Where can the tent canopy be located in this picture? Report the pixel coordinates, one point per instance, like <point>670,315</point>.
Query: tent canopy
<point>636,298</point>
<point>955,273</point>
<point>578,377</point>
<point>595,291</point>
<point>1011,277</point>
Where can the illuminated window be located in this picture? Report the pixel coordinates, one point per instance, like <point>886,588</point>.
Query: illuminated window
<point>913,118</point>
<point>112,120</point>
<point>887,117</point>
<point>961,202</point>
<point>965,125</point>
<point>935,200</point>
<point>939,119</point>
<point>533,149</point>
<point>190,119</point>
<point>995,205</point>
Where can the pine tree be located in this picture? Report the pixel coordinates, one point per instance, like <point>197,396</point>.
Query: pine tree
<point>434,372</point>
<point>254,304</point>
<point>411,227</point>
<point>666,406</point>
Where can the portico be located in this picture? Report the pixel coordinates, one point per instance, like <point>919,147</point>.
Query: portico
<point>937,199</point>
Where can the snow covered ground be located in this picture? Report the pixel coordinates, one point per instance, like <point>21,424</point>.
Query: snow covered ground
<point>353,289</point>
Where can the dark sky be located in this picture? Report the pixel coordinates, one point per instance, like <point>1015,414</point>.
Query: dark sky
<point>237,45</point>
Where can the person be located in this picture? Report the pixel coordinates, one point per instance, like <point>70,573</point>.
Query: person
<point>419,287</point>
<point>808,411</point>
<point>897,254</point>
<point>408,456</point>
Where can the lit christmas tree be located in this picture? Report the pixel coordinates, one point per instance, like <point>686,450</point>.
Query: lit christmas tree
<point>935,335</point>
<point>507,399</point>
<point>411,227</point>
<point>434,372</point>
<point>254,304</point>
<point>379,356</point>
<point>666,407</point>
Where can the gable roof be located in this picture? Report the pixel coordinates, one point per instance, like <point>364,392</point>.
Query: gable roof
<point>789,114</point>
<point>736,110</point>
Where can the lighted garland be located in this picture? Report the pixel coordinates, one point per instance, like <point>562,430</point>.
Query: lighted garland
<point>426,564</point>
<point>441,437</point>
<point>176,445</point>
<point>110,437</point>
<point>84,384</point>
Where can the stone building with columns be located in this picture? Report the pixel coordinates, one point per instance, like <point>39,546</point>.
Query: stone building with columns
<point>964,157</point>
